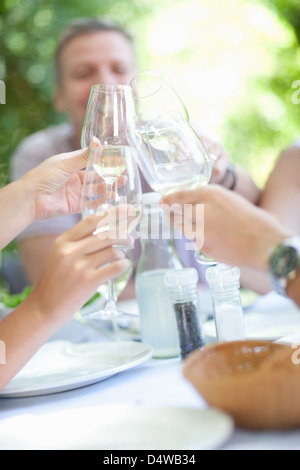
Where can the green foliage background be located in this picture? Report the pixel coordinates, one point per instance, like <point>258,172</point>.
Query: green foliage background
<point>257,134</point>
<point>253,133</point>
<point>28,33</point>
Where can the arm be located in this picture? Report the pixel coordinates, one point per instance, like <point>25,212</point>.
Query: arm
<point>57,186</point>
<point>244,184</point>
<point>33,243</point>
<point>281,198</point>
<point>34,252</point>
<point>51,189</point>
<point>77,265</point>
<point>281,195</point>
<point>235,231</point>
<point>293,290</point>
<point>79,261</point>
<point>16,210</point>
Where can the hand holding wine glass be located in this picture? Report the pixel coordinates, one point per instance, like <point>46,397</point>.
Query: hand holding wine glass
<point>171,155</point>
<point>111,177</point>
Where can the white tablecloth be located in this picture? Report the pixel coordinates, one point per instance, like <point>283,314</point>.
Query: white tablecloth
<point>155,382</point>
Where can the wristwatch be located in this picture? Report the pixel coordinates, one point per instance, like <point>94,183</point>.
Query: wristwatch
<point>229,180</point>
<point>284,264</point>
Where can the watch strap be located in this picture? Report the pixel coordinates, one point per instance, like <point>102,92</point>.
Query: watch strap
<point>284,264</point>
<point>229,180</point>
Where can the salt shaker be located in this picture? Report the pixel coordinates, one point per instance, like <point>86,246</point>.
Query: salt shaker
<point>224,283</point>
<point>182,285</point>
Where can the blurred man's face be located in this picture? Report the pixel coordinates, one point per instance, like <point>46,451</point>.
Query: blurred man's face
<point>102,57</point>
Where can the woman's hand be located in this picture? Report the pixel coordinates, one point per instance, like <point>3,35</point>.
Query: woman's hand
<point>79,263</point>
<point>51,189</point>
<point>56,183</point>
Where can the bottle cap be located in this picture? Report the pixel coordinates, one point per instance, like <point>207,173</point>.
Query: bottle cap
<point>181,277</point>
<point>222,273</point>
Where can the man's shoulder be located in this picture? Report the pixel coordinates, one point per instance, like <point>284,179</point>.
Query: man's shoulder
<point>35,148</point>
<point>50,137</point>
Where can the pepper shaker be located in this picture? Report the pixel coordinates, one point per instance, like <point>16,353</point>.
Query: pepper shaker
<point>182,285</point>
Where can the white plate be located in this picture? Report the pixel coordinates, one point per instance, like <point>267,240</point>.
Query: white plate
<point>266,326</point>
<point>118,426</point>
<point>61,365</point>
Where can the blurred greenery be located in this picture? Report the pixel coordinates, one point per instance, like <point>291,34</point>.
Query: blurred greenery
<point>254,127</point>
<point>27,44</point>
<point>269,120</point>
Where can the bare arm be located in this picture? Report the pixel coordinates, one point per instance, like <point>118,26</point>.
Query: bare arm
<point>78,263</point>
<point>281,195</point>
<point>50,189</point>
<point>281,198</point>
<point>34,252</point>
<point>293,290</point>
<point>244,184</point>
<point>16,210</point>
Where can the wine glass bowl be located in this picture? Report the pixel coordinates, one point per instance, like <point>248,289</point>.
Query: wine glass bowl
<point>109,114</point>
<point>170,154</point>
<point>172,157</point>
<point>155,95</point>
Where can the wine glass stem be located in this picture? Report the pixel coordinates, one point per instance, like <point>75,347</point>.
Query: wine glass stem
<point>109,190</point>
<point>110,307</point>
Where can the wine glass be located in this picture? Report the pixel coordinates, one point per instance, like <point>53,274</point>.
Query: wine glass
<point>171,155</point>
<point>111,179</point>
<point>155,95</point>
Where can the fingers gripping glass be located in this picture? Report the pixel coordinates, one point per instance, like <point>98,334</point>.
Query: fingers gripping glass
<point>171,155</point>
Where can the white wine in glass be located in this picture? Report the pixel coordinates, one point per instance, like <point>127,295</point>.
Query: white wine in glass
<point>112,163</point>
<point>178,159</point>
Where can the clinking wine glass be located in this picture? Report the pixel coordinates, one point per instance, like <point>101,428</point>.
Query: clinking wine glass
<point>171,155</point>
<point>111,179</point>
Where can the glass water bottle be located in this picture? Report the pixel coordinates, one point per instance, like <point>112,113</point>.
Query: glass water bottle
<point>157,318</point>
